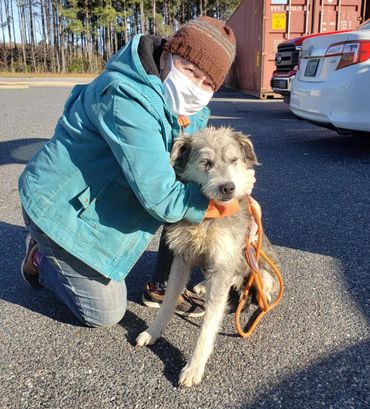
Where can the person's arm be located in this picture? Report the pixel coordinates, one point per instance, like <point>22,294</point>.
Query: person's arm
<point>128,124</point>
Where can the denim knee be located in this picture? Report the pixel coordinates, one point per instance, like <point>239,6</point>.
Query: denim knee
<point>102,318</point>
<point>95,300</point>
<point>104,306</point>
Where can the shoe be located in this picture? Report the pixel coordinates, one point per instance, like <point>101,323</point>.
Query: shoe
<point>30,271</point>
<point>188,304</point>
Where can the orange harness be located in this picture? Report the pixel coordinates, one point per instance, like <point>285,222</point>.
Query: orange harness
<point>253,253</point>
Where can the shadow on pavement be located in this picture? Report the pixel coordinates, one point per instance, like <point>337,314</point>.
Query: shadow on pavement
<point>339,380</point>
<point>324,212</point>
<point>140,273</point>
<point>41,301</point>
<point>313,186</point>
<point>20,150</point>
<point>15,290</point>
<point>171,357</point>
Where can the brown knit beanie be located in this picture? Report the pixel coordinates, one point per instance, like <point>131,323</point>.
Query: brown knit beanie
<point>207,43</point>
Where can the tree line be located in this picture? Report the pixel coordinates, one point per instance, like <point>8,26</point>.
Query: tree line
<point>62,36</point>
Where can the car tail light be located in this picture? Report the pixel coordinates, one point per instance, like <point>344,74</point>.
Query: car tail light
<point>351,52</point>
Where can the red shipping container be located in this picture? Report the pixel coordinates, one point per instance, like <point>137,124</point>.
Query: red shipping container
<point>260,25</point>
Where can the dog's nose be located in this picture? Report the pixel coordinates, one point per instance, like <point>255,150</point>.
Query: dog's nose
<point>227,188</point>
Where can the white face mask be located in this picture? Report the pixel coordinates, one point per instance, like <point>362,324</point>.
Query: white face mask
<point>182,95</point>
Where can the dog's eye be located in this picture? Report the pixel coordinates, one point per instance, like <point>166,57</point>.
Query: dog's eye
<point>233,160</point>
<point>208,164</point>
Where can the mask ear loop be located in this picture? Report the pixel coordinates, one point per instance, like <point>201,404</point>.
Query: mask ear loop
<point>171,61</point>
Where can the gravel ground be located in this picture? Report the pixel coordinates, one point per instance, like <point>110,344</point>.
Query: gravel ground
<point>312,351</point>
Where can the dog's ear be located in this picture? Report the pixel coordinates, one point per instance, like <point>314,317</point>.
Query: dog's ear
<point>246,146</point>
<point>180,153</point>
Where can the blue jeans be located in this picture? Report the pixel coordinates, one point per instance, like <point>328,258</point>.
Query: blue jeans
<point>95,300</point>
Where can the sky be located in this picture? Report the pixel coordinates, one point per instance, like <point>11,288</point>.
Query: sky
<point>16,23</point>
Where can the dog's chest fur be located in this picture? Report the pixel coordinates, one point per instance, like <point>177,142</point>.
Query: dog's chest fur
<point>201,243</point>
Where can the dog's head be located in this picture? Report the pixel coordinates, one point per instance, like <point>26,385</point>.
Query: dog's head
<point>217,159</point>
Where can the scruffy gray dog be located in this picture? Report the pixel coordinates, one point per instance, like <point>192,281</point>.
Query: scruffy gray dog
<point>216,159</point>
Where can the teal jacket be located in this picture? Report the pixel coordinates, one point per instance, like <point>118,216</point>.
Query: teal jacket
<point>103,184</point>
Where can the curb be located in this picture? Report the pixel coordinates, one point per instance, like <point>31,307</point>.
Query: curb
<point>13,86</point>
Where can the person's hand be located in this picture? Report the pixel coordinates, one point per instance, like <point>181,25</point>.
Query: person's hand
<point>218,210</point>
<point>250,181</point>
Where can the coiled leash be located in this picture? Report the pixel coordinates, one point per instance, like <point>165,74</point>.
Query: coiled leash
<point>253,251</point>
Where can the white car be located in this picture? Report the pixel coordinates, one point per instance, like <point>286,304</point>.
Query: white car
<point>332,86</point>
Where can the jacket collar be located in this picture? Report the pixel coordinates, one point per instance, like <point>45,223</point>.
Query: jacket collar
<point>149,49</point>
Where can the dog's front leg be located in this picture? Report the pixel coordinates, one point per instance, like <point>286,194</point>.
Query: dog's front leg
<point>216,301</point>
<point>179,275</point>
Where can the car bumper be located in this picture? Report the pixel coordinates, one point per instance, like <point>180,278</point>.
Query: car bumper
<point>342,100</point>
<point>281,84</point>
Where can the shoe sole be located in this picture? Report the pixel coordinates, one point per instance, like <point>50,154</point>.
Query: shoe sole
<point>152,304</point>
<point>28,239</point>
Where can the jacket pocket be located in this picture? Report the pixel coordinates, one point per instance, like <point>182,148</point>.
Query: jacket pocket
<point>114,207</point>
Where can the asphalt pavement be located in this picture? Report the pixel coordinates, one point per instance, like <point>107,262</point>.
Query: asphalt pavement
<point>312,351</point>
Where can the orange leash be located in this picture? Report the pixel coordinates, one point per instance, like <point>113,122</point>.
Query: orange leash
<point>253,253</point>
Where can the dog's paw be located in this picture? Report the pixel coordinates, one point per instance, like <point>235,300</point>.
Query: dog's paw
<point>270,286</point>
<point>190,375</point>
<point>268,296</point>
<point>145,339</point>
<point>200,289</point>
